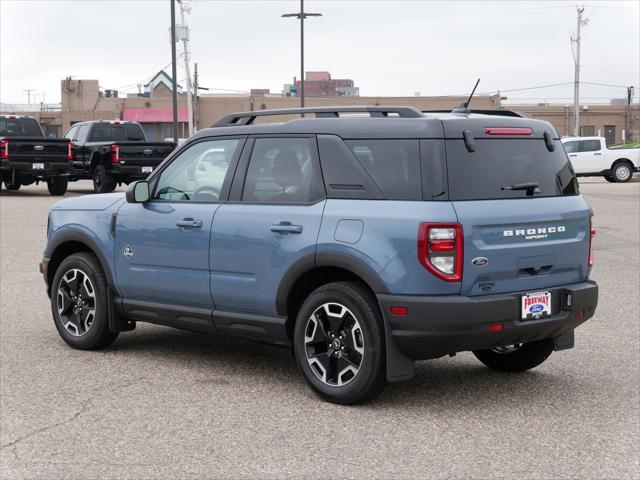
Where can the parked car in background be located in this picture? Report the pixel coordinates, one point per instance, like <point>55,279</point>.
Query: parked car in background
<point>27,156</point>
<point>590,156</point>
<point>113,152</point>
<point>364,244</point>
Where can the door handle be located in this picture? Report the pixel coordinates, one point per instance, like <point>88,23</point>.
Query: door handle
<point>573,155</point>
<point>598,153</point>
<point>286,227</point>
<point>189,223</point>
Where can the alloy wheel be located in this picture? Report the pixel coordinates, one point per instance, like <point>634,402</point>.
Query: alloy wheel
<point>622,172</point>
<point>334,344</point>
<point>76,302</point>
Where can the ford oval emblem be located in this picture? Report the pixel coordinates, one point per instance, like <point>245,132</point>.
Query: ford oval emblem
<point>147,151</point>
<point>39,148</point>
<point>536,308</point>
<point>480,261</point>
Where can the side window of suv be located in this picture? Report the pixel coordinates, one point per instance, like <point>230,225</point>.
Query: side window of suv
<point>198,173</point>
<point>393,164</point>
<point>283,170</point>
<point>71,133</point>
<point>83,130</point>
<point>589,145</point>
<point>571,147</point>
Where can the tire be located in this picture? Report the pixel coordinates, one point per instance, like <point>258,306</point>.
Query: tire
<point>516,358</point>
<point>87,327</point>
<point>12,186</point>
<point>609,178</point>
<point>103,181</point>
<point>621,172</point>
<point>57,185</point>
<point>349,367</point>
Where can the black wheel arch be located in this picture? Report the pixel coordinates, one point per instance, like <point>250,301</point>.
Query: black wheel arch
<point>68,243</point>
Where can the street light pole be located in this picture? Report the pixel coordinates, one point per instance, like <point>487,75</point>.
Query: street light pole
<point>301,15</point>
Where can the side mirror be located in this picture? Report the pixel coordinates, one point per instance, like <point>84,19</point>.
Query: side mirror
<point>138,192</point>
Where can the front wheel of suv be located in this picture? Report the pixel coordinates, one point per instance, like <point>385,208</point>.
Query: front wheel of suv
<point>79,303</point>
<point>339,343</point>
<point>518,357</point>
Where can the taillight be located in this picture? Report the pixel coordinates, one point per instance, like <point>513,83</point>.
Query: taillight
<point>4,149</point>
<point>115,153</point>
<point>592,233</point>
<point>440,250</point>
<point>70,151</point>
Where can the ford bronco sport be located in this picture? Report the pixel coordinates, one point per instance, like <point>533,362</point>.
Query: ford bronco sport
<point>365,238</point>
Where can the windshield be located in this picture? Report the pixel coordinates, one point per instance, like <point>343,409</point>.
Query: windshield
<point>500,168</point>
<point>20,127</point>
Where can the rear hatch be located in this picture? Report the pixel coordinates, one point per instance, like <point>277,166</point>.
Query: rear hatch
<point>524,223</point>
<point>144,153</point>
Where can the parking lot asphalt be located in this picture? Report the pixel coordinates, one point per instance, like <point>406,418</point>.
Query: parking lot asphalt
<point>163,403</point>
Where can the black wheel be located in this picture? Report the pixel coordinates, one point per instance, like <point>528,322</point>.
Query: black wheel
<point>609,178</point>
<point>622,172</point>
<point>339,343</point>
<point>79,303</point>
<point>103,181</point>
<point>518,357</point>
<point>12,186</point>
<point>57,185</point>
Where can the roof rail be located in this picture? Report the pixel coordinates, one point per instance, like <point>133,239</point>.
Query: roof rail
<point>247,118</point>
<point>503,113</point>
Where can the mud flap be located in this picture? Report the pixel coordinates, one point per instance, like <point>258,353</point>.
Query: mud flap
<point>117,323</point>
<point>564,342</point>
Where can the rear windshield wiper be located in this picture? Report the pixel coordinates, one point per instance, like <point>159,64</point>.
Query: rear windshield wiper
<point>531,188</point>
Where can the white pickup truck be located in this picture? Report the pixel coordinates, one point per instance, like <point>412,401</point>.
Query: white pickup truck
<point>590,156</point>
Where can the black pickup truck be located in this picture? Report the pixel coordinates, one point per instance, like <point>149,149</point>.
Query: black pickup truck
<point>113,152</point>
<point>27,156</point>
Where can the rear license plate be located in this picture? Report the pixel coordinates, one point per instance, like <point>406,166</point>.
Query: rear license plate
<point>38,166</point>
<point>536,305</point>
<point>147,169</point>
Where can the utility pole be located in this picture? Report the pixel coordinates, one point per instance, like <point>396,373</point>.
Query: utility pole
<point>629,95</point>
<point>197,97</point>
<point>173,71</point>
<point>580,22</point>
<point>301,15</point>
<point>28,90</point>
<point>184,34</point>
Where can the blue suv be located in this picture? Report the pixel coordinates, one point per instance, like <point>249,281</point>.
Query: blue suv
<point>365,239</point>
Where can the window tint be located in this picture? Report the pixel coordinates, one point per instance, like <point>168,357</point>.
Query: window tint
<point>393,164</point>
<point>20,127</point>
<point>106,132</point>
<point>498,163</point>
<point>589,145</point>
<point>83,131</point>
<point>71,133</point>
<point>571,147</point>
<point>198,173</point>
<point>283,170</point>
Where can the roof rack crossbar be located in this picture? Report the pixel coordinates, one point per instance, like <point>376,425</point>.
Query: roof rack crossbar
<point>247,118</point>
<point>502,113</point>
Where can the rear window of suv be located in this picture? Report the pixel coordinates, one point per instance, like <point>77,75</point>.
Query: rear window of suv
<point>499,163</point>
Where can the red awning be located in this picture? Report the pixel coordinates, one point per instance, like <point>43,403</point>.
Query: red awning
<point>154,115</point>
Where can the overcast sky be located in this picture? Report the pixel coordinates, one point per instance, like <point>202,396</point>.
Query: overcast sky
<point>387,47</point>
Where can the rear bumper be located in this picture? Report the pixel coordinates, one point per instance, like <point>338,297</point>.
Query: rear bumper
<point>26,168</point>
<point>440,325</point>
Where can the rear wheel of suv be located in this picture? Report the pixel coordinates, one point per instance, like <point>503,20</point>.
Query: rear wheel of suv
<point>57,185</point>
<point>518,357</point>
<point>103,181</point>
<point>339,343</point>
<point>622,172</point>
<point>79,303</point>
